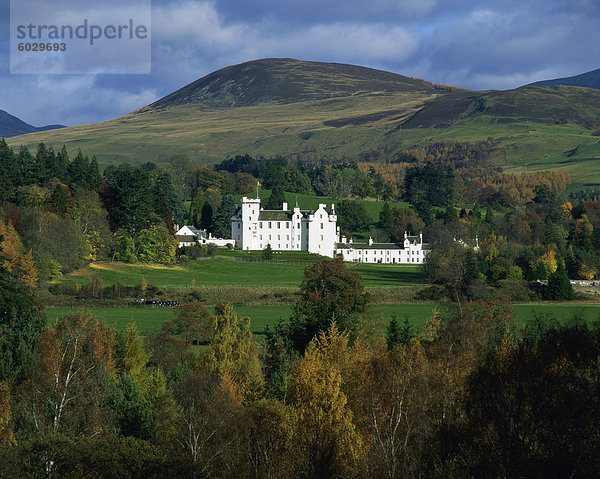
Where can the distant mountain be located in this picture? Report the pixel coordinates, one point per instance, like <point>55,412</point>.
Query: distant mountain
<point>11,126</point>
<point>313,110</point>
<point>588,80</point>
<point>286,80</point>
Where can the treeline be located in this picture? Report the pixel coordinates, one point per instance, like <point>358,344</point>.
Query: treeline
<point>474,251</point>
<point>324,396</point>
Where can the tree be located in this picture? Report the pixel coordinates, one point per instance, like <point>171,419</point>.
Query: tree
<point>21,324</point>
<point>7,436</point>
<point>329,293</point>
<point>167,204</point>
<point>363,187</point>
<point>430,183</point>
<point>221,226</point>
<point>76,366</point>
<point>156,245</point>
<point>267,253</point>
<point>327,444</point>
<point>559,287</point>
<point>352,216</point>
<point>532,409</point>
<point>396,334</point>
<point>193,324</point>
<point>127,197</point>
<point>232,351</point>
<point>140,399</point>
<point>277,198</point>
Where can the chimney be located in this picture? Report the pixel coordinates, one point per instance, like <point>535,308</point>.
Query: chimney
<point>344,240</point>
<point>370,241</point>
<point>285,206</point>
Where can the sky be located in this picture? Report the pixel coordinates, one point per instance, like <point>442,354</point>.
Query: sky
<point>476,44</point>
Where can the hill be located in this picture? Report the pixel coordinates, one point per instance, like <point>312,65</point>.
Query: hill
<point>310,110</point>
<point>286,80</point>
<point>12,126</point>
<point>587,80</point>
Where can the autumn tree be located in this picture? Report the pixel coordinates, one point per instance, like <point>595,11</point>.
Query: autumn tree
<point>232,350</point>
<point>327,444</point>
<point>141,402</point>
<point>532,409</point>
<point>329,293</point>
<point>7,436</point>
<point>156,245</point>
<point>193,324</point>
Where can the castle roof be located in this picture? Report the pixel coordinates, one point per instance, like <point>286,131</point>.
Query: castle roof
<point>274,215</point>
<point>349,246</point>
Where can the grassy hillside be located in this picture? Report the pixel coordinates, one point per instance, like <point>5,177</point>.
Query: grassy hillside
<point>272,107</point>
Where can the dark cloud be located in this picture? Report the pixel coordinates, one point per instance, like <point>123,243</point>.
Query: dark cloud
<point>475,44</point>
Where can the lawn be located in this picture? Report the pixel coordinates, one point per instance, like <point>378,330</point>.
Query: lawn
<point>390,275</point>
<point>223,271</point>
<point>209,272</point>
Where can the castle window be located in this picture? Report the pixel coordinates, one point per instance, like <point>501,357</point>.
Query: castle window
<point>260,224</point>
<point>278,237</point>
<point>298,225</point>
<point>321,225</point>
<point>278,225</point>
<point>321,237</point>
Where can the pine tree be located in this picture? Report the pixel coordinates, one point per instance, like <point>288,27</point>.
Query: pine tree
<point>559,287</point>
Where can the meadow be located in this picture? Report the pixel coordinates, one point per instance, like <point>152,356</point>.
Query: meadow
<point>226,271</point>
<point>149,319</point>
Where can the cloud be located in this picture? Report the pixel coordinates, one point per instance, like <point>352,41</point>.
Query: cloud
<point>480,45</point>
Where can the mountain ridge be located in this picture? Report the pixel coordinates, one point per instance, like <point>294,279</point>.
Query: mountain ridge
<point>11,126</point>
<point>589,79</point>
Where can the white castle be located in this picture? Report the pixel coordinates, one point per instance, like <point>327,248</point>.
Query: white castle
<point>315,231</point>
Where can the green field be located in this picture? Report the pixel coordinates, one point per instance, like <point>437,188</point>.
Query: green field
<point>222,271</point>
<point>561,312</point>
<point>150,319</point>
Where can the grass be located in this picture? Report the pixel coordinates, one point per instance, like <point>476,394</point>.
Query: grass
<point>223,271</point>
<point>561,312</point>
<point>390,275</point>
<point>150,319</point>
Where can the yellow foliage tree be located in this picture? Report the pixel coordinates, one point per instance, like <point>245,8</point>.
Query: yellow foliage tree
<point>328,444</point>
<point>7,436</point>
